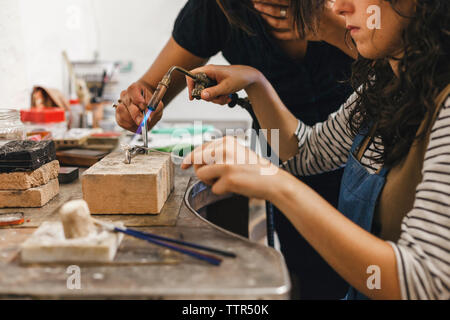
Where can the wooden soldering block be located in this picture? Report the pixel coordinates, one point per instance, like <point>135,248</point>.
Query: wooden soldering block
<point>31,179</point>
<point>49,245</point>
<point>142,187</point>
<point>31,198</point>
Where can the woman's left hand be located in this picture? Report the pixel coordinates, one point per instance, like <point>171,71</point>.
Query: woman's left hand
<point>230,79</point>
<point>278,15</point>
<point>229,167</point>
<point>280,18</point>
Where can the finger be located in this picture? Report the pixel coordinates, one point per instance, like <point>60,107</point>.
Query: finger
<point>272,10</point>
<point>206,155</point>
<point>147,95</point>
<point>221,187</point>
<point>154,120</point>
<point>222,100</point>
<point>125,98</point>
<point>189,160</point>
<point>156,116</point>
<point>209,70</point>
<point>135,93</point>
<point>190,85</point>
<point>211,172</point>
<point>279,24</point>
<point>123,118</point>
<point>285,35</point>
<point>207,182</point>
<point>135,113</point>
<point>216,175</point>
<point>198,166</point>
<point>224,88</point>
<point>205,69</point>
<point>159,109</point>
<point>284,3</point>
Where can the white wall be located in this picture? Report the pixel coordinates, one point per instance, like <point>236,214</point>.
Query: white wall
<point>34,33</point>
<point>13,65</point>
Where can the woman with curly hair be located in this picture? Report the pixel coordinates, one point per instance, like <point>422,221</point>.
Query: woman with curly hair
<point>390,236</point>
<point>299,46</point>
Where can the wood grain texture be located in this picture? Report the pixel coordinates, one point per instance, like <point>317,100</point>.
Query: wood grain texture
<point>142,187</point>
<point>28,180</point>
<point>31,198</point>
<point>34,217</point>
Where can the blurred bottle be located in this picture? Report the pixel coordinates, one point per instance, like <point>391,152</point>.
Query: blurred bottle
<point>49,119</point>
<point>78,118</point>
<point>11,128</point>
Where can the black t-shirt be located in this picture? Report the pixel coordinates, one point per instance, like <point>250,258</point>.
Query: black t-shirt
<point>311,88</point>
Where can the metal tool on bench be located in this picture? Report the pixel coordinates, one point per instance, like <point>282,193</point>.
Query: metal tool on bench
<point>173,244</point>
<point>131,152</point>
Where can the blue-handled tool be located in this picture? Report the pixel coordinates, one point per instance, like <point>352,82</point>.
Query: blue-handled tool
<point>165,242</point>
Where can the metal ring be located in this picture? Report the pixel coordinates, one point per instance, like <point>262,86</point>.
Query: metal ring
<point>283,13</point>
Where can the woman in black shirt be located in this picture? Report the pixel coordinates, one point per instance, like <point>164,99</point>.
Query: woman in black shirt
<point>307,74</point>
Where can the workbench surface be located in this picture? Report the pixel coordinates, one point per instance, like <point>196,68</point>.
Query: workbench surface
<point>141,270</point>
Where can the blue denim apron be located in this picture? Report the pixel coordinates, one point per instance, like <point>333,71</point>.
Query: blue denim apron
<point>360,191</point>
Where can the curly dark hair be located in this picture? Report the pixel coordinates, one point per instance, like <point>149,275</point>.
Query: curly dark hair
<point>398,104</point>
<point>306,14</point>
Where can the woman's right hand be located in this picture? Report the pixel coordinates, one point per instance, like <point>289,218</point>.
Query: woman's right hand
<point>230,79</point>
<point>132,103</point>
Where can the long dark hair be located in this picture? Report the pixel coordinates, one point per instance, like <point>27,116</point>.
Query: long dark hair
<point>306,14</point>
<point>398,105</point>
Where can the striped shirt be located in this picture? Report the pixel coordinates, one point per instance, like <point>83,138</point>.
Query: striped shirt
<point>423,250</point>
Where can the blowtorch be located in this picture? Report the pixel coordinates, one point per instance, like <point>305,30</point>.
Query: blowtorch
<point>201,80</point>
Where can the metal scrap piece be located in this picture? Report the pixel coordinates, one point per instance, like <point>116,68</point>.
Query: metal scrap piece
<point>130,153</point>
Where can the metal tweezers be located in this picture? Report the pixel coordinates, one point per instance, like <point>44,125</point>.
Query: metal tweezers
<point>131,152</point>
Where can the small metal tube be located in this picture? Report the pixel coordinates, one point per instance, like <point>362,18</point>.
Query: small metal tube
<point>184,71</point>
<point>159,94</point>
<point>161,90</point>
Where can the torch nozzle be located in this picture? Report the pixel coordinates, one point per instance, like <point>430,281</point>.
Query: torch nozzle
<point>164,84</point>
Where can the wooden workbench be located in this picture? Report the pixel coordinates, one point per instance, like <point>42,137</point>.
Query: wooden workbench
<point>142,270</point>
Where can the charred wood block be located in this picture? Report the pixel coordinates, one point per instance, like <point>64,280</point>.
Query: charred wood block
<point>21,156</point>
